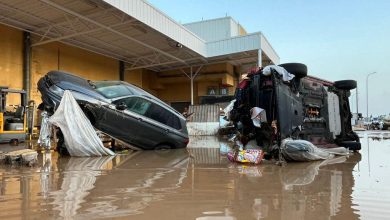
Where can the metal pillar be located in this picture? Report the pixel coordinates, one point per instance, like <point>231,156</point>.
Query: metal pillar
<point>26,64</point>
<point>192,76</point>
<point>357,105</point>
<point>192,86</point>
<point>357,101</point>
<point>259,58</point>
<point>121,70</point>
<point>367,91</point>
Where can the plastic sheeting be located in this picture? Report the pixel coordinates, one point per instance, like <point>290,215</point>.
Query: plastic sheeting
<point>229,108</point>
<point>301,150</point>
<point>80,137</point>
<point>45,132</point>
<point>282,71</point>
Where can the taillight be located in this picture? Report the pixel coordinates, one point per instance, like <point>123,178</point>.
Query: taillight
<point>186,141</point>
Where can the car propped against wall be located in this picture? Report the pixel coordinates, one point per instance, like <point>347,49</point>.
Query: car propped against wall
<point>296,106</point>
<point>120,110</point>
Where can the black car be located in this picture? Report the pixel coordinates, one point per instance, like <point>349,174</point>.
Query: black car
<point>301,107</point>
<point>119,109</point>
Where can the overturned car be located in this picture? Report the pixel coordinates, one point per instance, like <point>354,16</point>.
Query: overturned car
<point>119,109</point>
<point>295,106</point>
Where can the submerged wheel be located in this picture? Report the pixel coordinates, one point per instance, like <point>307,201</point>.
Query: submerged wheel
<point>345,84</point>
<point>163,149</point>
<point>351,145</point>
<point>61,148</point>
<point>14,142</point>
<point>298,69</point>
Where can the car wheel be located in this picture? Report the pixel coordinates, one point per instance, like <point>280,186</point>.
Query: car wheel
<point>298,69</point>
<point>61,148</point>
<point>14,142</point>
<point>351,145</point>
<point>162,148</point>
<point>345,84</point>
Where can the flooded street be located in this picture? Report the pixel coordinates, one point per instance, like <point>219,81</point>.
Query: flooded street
<point>200,183</point>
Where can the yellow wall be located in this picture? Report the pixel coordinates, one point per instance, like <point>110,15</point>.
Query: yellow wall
<point>180,92</point>
<point>145,79</point>
<point>88,65</point>
<point>134,77</point>
<point>58,56</point>
<point>11,60</point>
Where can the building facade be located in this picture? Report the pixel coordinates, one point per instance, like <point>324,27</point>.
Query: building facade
<point>195,63</point>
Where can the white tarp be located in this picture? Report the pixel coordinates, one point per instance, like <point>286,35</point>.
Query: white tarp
<point>301,150</point>
<point>282,71</point>
<point>80,137</point>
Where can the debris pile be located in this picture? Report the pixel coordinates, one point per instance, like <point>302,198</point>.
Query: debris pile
<point>24,157</point>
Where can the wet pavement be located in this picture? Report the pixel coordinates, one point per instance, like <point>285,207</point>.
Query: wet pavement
<point>200,183</point>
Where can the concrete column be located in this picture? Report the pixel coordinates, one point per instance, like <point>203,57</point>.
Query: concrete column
<point>259,58</point>
<point>27,64</point>
<point>121,70</point>
<point>192,86</point>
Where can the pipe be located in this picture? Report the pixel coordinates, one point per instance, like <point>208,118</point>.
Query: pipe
<point>121,70</point>
<point>26,65</point>
<point>192,87</point>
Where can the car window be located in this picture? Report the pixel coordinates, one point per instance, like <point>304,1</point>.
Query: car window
<point>151,110</point>
<point>163,116</point>
<point>112,90</point>
<point>135,104</point>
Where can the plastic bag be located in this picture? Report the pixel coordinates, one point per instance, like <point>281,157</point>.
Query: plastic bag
<point>301,150</point>
<point>80,137</point>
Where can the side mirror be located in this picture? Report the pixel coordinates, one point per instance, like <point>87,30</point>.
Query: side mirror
<point>121,106</point>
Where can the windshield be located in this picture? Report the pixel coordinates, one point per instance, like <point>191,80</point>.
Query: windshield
<point>112,90</point>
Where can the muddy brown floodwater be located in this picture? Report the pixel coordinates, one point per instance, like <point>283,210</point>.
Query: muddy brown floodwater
<point>200,184</point>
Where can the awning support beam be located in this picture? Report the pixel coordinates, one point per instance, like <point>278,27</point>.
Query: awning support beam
<point>259,58</point>
<point>192,76</point>
<point>55,5</point>
<point>75,34</point>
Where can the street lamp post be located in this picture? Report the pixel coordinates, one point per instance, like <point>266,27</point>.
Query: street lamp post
<point>367,93</point>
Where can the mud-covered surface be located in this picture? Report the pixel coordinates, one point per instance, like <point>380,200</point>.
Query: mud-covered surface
<point>200,183</point>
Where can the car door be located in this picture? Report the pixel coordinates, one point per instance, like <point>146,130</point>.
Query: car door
<point>117,123</point>
<point>146,134</point>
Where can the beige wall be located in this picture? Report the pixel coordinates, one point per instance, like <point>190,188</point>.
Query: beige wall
<point>179,92</point>
<point>58,56</point>
<point>11,59</point>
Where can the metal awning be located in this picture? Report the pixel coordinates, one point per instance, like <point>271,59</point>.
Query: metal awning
<point>131,31</point>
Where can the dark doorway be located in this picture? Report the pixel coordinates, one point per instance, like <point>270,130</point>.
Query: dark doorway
<point>179,106</point>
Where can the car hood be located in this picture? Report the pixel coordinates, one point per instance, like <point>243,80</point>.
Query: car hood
<point>71,82</point>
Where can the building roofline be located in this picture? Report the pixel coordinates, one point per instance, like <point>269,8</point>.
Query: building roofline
<point>211,19</point>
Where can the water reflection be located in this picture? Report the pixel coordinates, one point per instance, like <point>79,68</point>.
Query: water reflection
<point>178,184</point>
<point>79,177</point>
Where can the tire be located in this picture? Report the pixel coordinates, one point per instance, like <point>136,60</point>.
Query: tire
<point>61,148</point>
<point>163,149</point>
<point>14,142</point>
<point>298,69</point>
<point>345,84</point>
<point>351,145</point>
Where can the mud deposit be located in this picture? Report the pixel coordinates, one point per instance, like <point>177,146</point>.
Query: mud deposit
<point>199,183</point>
